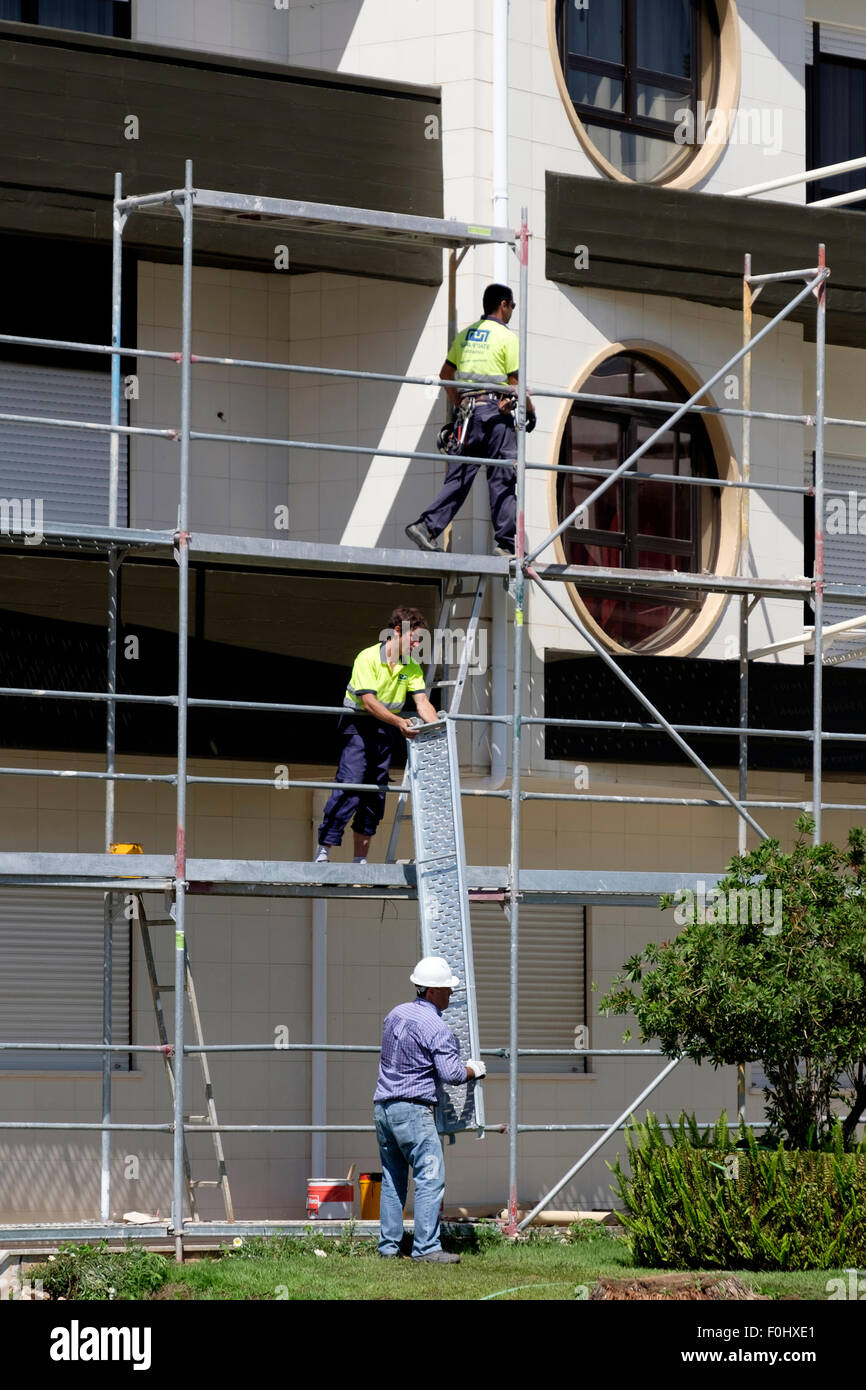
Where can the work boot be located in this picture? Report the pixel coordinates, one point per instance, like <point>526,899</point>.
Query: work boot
<point>437,1257</point>
<point>419,533</point>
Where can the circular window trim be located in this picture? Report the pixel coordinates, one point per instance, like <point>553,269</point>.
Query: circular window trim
<point>695,165</point>
<point>683,640</point>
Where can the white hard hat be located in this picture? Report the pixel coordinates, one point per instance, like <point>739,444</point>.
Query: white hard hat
<point>433,972</point>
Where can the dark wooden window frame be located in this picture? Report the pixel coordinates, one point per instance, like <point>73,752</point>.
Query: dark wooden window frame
<point>631,75</point>
<point>631,541</point>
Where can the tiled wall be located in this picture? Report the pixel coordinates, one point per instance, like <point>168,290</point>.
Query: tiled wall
<point>251,960</point>
<point>315,320</point>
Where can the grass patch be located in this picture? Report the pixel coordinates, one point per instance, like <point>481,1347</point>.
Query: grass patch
<point>541,1268</point>
<point>546,1266</point>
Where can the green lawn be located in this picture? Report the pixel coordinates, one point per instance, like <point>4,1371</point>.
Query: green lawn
<point>548,1270</point>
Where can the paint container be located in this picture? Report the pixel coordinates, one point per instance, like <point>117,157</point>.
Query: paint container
<point>330,1199</point>
<point>371,1195</point>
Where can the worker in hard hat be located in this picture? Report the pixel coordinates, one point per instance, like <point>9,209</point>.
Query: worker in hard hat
<point>419,1053</point>
<point>383,676</point>
<point>483,425</point>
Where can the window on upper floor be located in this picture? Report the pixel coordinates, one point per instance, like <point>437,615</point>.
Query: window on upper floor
<point>638,523</point>
<point>635,72</point>
<point>88,16</point>
<point>836,108</point>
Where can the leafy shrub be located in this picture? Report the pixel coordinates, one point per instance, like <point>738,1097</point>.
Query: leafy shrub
<point>472,1236</point>
<point>588,1233</point>
<point>788,990</point>
<point>708,1205</point>
<point>95,1272</point>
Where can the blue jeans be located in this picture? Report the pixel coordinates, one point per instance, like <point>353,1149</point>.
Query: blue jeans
<point>368,745</point>
<point>407,1138</point>
<point>491,434</point>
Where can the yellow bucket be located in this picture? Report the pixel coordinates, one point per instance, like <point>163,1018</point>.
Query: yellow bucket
<point>371,1195</point>
<point>126,849</point>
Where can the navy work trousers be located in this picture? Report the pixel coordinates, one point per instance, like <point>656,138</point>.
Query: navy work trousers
<point>368,746</point>
<point>490,434</point>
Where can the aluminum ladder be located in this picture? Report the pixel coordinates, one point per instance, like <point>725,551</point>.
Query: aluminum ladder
<point>443,901</point>
<point>210,1118</point>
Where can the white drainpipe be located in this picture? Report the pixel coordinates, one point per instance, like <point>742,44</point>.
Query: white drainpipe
<point>501,273</point>
<point>319,1147</point>
<point>319,1014</point>
<point>501,263</point>
<point>498,695</point>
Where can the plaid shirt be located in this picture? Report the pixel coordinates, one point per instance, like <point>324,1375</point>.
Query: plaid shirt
<point>418,1049</point>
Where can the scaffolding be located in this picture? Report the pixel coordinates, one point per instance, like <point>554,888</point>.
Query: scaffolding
<point>180,875</point>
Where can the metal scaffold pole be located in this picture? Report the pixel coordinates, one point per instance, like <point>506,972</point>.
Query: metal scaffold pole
<point>182,556</point>
<point>514,852</point>
<point>746,470</point>
<point>509,884</point>
<point>743,569</point>
<point>818,574</point>
<point>114,561</point>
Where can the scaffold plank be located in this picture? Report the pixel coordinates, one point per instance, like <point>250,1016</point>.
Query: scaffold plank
<point>331,219</point>
<point>277,878</point>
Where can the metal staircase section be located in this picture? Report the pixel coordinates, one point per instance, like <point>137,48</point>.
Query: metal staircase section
<point>157,990</point>
<point>443,901</point>
<point>457,588</point>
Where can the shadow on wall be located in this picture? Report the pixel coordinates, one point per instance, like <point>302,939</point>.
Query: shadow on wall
<point>302,493</point>
<point>306,33</point>
<point>319,32</point>
<point>45,1180</point>
<point>373,326</point>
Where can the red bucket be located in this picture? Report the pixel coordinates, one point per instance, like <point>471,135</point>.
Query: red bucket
<point>330,1199</point>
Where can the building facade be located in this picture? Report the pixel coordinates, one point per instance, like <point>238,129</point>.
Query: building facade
<point>627,134</point>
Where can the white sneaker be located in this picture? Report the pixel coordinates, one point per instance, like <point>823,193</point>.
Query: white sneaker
<point>359,861</point>
<point>322,856</point>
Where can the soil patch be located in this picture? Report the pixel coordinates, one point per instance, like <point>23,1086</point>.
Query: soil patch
<point>675,1287</point>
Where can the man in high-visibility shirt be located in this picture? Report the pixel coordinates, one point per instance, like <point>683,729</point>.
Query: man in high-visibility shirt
<point>382,677</point>
<point>488,349</point>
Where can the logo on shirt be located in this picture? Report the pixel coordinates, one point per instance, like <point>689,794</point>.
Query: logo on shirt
<point>478,335</point>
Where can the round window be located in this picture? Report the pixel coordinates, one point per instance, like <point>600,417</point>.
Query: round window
<point>641,522</point>
<point>640,76</point>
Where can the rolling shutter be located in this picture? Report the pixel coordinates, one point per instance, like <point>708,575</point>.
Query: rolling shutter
<point>552,986</point>
<point>67,469</point>
<point>51,978</point>
<point>845,554</point>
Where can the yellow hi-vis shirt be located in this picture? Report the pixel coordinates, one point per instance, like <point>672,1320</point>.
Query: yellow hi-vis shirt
<point>486,348</point>
<point>371,675</point>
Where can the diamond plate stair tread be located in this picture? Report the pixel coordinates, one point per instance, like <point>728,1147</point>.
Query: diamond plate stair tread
<point>443,900</point>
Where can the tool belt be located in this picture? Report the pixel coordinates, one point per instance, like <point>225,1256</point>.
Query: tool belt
<point>451,436</point>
